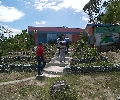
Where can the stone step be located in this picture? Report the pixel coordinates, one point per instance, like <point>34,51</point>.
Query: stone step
<point>66,58</point>
<point>69,50</point>
<point>56,64</point>
<point>68,54</point>
<point>49,75</point>
<point>57,58</point>
<point>54,69</point>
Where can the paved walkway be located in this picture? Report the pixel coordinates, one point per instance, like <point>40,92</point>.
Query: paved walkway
<point>53,69</point>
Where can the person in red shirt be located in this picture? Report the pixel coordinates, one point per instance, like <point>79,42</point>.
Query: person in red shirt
<point>40,58</point>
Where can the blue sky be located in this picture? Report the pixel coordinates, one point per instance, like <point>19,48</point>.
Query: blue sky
<point>19,14</point>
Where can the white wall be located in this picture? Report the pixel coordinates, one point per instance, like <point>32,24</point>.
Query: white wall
<point>98,38</point>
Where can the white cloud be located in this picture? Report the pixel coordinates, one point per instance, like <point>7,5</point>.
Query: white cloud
<point>26,4</point>
<point>85,18</point>
<point>37,23</point>
<point>76,5</point>
<point>40,23</point>
<point>84,13</point>
<point>14,31</point>
<point>9,14</point>
<point>43,22</point>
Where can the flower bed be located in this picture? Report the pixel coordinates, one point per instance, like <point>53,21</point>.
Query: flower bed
<point>92,69</point>
<point>86,59</point>
<point>20,62</point>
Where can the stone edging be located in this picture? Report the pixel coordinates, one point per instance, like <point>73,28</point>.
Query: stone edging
<point>92,69</point>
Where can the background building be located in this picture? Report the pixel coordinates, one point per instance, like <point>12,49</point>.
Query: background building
<point>102,34</point>
<point>45,34</point>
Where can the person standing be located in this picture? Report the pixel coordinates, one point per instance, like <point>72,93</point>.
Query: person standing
<point>67,43</point>
<point>40,58</point>
<point>58,42</point>
<point>62,51</point>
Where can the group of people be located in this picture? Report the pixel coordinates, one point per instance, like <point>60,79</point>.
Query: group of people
<point>63,45</point>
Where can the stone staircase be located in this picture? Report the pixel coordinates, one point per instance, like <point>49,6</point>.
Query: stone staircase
<point>54,68</point>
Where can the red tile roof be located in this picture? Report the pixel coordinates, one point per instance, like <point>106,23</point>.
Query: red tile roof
<point>55,29</point>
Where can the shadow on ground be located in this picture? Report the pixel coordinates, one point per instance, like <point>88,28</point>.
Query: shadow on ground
<point>40,78</point>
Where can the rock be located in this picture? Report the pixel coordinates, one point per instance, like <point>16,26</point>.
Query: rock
<point>118,97</point>
<point>60,90</point>
<point>59,85</point>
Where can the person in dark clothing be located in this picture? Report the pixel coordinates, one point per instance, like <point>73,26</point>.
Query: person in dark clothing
<point>67,43</point>
<point>58,42</point>
<point>62,51</point>
<point>40,58</point>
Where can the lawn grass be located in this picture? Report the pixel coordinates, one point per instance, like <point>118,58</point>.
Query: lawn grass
<point>95,86</point>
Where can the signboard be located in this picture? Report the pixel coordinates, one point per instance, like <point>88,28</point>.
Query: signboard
<point>107,29</point>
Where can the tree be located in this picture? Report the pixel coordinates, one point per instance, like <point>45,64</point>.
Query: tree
<point>3,31</point>
<point>95,9</point>
<point>100,11</point>
<point>112,14</point>
<point>22,41</point>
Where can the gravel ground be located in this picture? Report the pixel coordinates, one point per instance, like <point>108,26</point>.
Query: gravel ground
<point>112,56</point>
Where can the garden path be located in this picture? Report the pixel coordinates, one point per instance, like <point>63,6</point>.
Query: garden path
<point>53,69</point>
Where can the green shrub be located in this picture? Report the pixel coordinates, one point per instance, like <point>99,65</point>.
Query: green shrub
<point>1,53</point>
<point>61,91</point>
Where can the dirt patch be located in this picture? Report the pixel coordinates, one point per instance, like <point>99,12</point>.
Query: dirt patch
<point>5,77</point>
<point>35,82</point>
<point>112,56</point>
<point>97,87</point>
<point>88,80</point>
